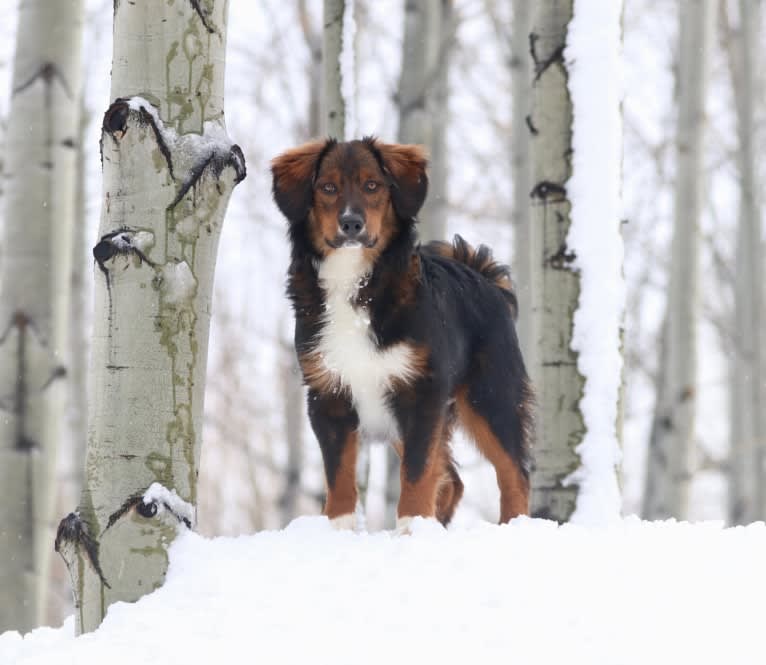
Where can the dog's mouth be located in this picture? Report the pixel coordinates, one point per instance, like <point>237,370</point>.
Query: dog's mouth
<point>361,242</point>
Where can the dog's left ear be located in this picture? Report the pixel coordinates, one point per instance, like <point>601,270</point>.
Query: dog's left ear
<point>406,166</point>
<point>293,174</point>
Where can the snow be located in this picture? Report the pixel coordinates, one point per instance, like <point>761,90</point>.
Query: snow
<point>190,150</point>
<point>529,592</point>
<point>166,499</point>
<point>179,284</point>
<point>593,55</point>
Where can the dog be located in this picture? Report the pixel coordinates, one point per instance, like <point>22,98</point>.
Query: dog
<point>398,341</point>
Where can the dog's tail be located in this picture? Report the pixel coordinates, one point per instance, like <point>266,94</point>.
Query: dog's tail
<point>479,259</point>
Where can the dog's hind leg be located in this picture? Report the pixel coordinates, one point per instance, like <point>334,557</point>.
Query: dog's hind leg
<point>495,411</point>
<point>450,491</point>
<point>335,424</point>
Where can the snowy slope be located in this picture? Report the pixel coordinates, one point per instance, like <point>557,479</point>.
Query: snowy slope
<point>529,592</point>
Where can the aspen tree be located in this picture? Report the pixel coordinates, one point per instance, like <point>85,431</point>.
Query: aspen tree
<point>169,170</point>
<point>35,270</point>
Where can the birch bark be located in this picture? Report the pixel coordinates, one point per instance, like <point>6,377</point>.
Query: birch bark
<point>671,445</point>
<point>554,283</point>
<point>520,170</point>
<point>747,480</point>
<point>334,113</point>
<point>34,294</point>
<point>169,169</point>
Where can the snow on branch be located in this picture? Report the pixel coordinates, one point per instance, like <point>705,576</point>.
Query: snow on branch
<point>188,156</point>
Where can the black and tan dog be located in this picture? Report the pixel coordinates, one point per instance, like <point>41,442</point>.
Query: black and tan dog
<point>398,341</point>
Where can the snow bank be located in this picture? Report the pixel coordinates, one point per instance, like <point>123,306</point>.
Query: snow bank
<point>529,592</point>
<point>594,58</point>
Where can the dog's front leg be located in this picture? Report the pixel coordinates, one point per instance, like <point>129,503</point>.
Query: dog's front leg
<point>335,424</point>
<point>422,423</point>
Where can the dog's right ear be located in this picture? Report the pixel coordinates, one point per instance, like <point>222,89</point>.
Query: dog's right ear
<point>293,174</point>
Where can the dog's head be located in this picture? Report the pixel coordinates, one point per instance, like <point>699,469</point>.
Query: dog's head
<point>354,194</point>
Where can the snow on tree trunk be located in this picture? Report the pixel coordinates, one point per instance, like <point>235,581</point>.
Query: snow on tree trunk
<point>747,482</point>
<point>334,107</point>
<point>520,170</point>
<point>555,283</point>
<point>34,296</point>
<point>594,51</point>
<point>169,169</point>
<point>671,445</point>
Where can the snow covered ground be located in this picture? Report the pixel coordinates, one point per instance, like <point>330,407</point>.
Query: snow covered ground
<point>528,592</point>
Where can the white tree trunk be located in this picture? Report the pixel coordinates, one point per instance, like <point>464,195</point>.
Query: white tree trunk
<point>169,169</point>
<point>671,446</point>
<point>34,294</point>
<point>747,481</point>
<point>334,108</point>
<point>521,75</point>
<point>554,283</point>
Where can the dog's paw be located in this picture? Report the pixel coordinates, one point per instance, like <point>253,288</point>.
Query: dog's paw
<point>345,522</point>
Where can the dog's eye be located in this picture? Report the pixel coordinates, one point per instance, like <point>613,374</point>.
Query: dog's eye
<point>371,186</point>
<point>329,188</point>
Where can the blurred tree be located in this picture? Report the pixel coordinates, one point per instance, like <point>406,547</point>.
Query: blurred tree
<point>747,477</point>
<point>334,107</point>
<point>169,170</point>
<point>672,446</point>
<point>34,296</point>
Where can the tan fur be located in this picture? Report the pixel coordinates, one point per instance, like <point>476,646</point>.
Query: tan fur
<point>514,488</point>
<point>342,496</point>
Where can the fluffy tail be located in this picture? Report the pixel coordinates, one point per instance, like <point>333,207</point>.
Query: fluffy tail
<point>480,260</point>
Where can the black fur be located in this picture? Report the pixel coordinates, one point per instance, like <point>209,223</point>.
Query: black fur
<point>454,301</point>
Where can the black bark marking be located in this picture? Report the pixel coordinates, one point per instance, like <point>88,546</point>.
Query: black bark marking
<point>146,509</point>
<point>124,508</point>
<point>148,118</point>
<point>541,66</point>
<point>532,129</point>
<point>23,442</point>
<point>73,529</point>
<point>47,72</point>
<point>218,162</point>
<point>203,16</point>
<point>562,259</point>
<point>58,372</point>
<point>549,192</point>
<point>116,243</point>
<point>116,124</point>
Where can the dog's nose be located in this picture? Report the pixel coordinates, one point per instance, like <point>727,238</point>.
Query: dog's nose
<point>351,224</point>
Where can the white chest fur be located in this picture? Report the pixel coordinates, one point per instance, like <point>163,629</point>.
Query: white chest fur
<point>348,349</point>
